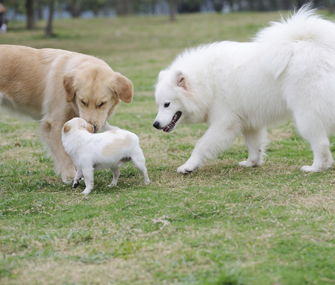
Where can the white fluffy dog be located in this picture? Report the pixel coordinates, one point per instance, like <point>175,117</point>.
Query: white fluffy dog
<point>91,152</point>
<point>287,71</point>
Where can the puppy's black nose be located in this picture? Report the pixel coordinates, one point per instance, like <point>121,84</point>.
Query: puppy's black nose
<point>156,125</point>
<point>95,128</point>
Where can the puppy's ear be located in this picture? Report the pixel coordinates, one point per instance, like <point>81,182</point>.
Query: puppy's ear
<point>67,127</point>
<point>68,83</point>
<point>123,87</point>
<point>90,128</point>
<point>181,80</point>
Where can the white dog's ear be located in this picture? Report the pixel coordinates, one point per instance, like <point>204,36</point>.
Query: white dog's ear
<point>123,87</point>
<point>90,128</point>
<point>67,127</point>
<point>162,74</point>
<point>181,81</point>
<point>68,83</point>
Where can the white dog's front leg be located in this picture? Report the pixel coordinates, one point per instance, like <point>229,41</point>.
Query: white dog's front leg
<point>108,127</point>
<point>218,138</point>
<point>255,140</point>
<point>89,180</point>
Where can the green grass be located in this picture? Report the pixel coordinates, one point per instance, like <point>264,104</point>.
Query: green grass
<point>222,224</point>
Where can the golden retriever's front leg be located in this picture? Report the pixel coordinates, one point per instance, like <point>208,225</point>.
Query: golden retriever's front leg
<point>52,134</point>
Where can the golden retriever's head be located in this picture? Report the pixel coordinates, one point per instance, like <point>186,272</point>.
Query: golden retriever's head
<point>96,91</point>
<point>77,124</point>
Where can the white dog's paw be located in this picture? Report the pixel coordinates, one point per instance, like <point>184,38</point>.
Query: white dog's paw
<point>308,168</point>
<point>146,181</point>
<point>86,191</point>
<point>185,169</point>
<point>247,164</point>
<point>113,184</point>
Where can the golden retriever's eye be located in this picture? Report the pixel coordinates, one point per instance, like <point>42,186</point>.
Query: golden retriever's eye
<point>166,104</point>
<point>103,103</point>
<point>83,103</point>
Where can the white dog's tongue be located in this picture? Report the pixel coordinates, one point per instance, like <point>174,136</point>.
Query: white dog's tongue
<point>175,118</point>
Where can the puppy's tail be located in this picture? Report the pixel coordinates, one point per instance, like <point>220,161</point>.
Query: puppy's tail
<point>280,38</point>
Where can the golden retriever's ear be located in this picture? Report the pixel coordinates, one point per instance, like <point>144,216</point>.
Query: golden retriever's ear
<point>68,83</point>
<point>123,87</point>
<point>90,128</point>
<point>67,127</point>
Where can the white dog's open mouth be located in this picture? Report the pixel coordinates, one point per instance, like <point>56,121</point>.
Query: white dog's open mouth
<point>173,122</point>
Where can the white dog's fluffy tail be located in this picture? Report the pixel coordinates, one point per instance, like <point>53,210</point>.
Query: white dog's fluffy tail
<point>280,37</point>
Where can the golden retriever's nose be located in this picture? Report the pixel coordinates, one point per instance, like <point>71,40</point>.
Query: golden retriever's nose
<point>95,128</point>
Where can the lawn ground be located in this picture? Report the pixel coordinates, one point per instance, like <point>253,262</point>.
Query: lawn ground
<point>222,224</point>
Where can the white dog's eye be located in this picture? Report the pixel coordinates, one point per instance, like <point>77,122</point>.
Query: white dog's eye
<point>83,103</point>
<point>103,103</point>
<point>166,105</point>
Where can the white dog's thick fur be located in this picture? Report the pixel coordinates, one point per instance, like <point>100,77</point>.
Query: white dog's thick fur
<point>91,152</point>
<point>287,71</point>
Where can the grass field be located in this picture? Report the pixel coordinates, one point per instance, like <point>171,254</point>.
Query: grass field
<point>222,224</point>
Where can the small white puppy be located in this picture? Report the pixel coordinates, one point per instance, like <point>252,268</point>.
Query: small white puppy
<point>91,152</point>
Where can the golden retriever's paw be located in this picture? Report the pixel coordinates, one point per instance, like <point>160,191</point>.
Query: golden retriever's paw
<point>67,180</point>
<point>67,177</point>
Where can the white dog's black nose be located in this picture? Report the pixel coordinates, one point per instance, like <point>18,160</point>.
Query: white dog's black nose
<point>95,128</point>
<point>156,125</point>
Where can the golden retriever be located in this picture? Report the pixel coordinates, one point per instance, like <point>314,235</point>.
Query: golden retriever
<point>54,86</point>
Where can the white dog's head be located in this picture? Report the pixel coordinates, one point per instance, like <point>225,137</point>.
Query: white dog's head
<point>172,95</point>
<point>77,124</point>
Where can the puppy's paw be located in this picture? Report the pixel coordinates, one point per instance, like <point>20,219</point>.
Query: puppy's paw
<point>185,169</point>
<point>86,191</point>
<point>146,181</point>
<point>113,184</point>
<point>308,168</point>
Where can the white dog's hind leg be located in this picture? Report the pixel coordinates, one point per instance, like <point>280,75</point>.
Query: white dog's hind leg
<point>322,157</point>
<point>255,140</point>
<point>77,178</point>
<point>217,138</point>
<point>89,180</point>
<point>116,174</point>
<point>139,161</point>
<point>314,132</point>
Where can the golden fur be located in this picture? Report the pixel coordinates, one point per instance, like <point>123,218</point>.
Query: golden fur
<point>54,86</point>
<point>117,145</point>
